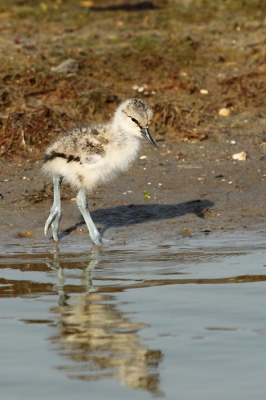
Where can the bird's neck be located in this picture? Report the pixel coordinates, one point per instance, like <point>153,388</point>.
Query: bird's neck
<point>125,146</point>
<point>123,137</point>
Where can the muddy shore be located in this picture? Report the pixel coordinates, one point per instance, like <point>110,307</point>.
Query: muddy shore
<point>199,194</point>
<point>187,63</point>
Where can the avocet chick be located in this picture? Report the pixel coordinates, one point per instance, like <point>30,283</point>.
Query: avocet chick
<point>88,156</point>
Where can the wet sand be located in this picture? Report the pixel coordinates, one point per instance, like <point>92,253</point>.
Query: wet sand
<point>193,190</point>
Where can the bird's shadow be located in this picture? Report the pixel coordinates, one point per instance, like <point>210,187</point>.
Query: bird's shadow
<point>124,215</point>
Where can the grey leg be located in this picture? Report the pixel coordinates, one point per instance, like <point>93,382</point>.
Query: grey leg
<point>83,207</point>
<point>55,212</point>
<point>59,286</point>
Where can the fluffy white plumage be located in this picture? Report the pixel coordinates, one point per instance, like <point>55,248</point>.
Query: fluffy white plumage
<point>88,156</point>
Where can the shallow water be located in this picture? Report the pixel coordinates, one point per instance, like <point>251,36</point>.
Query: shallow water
<point>176,319</point>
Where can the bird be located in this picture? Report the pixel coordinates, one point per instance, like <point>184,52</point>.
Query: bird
<point>88,156</point>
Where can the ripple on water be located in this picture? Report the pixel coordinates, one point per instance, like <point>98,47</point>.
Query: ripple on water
<point>159,318</point>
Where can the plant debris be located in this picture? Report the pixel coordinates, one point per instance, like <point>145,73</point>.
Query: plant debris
<point>58,73</point>
<point>68,66</point>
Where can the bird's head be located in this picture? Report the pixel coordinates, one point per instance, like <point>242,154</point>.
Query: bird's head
<point>134,116</point>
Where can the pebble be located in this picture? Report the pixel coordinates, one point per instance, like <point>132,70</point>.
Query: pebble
<point>224,112</point>
<point>145,89</point>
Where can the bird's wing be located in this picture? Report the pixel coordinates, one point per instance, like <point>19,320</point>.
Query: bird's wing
<point>82,145</point>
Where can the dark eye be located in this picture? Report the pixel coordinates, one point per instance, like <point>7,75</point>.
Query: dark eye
<point>134,120</point>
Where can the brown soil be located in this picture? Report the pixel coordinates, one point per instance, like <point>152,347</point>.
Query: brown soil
<point>188,60</point>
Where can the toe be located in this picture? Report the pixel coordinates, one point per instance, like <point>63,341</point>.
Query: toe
<point>100,241</point>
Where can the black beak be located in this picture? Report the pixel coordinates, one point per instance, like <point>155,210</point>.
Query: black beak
<point>146,134</point>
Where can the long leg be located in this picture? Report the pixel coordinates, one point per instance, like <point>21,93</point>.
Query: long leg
<point>55,212</point>
<point>83,207</point>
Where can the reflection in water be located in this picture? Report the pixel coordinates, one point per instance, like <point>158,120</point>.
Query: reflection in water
<point>205,303</point>
<point>100,340</point>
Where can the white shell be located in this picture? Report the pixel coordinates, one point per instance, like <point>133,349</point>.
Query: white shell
<point>240,156</point>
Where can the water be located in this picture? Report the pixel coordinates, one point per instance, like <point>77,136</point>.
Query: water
<point>180,320</point>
